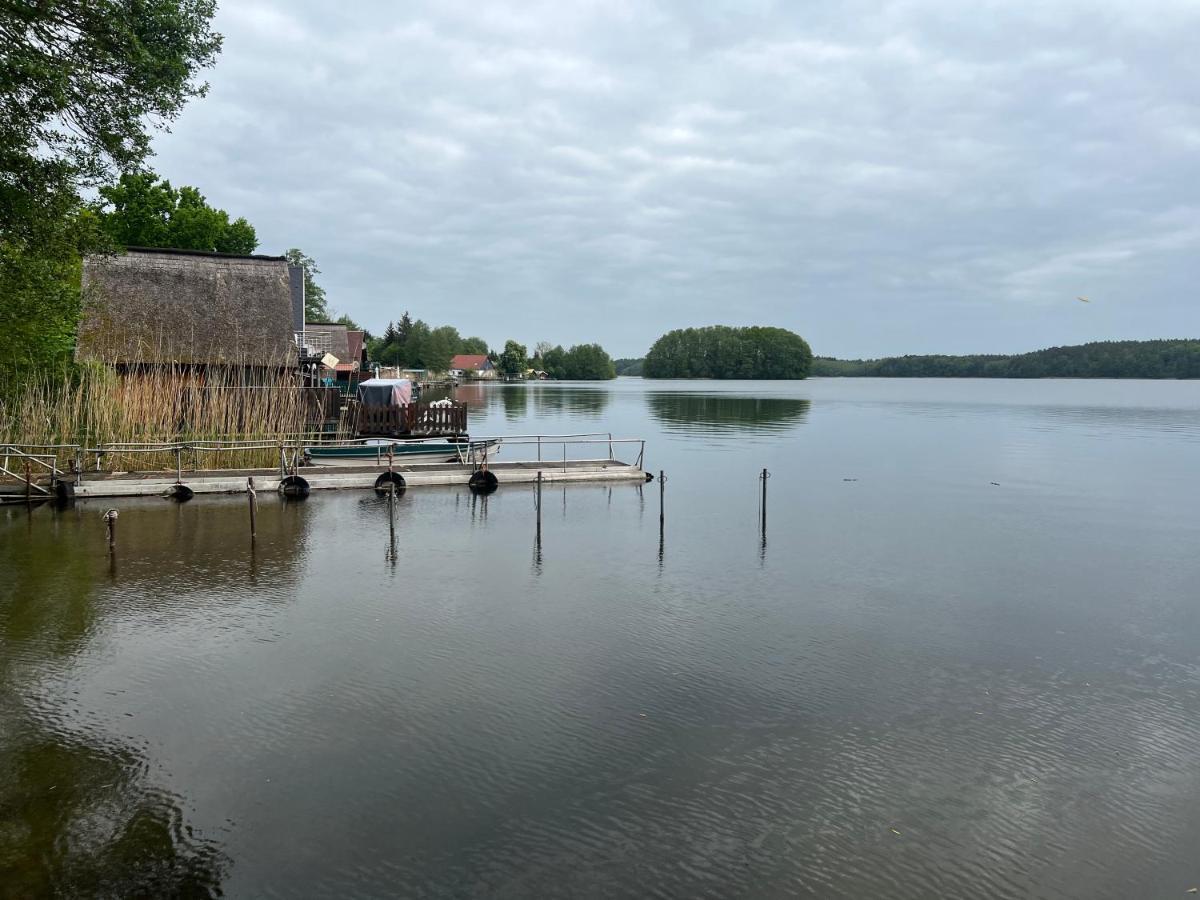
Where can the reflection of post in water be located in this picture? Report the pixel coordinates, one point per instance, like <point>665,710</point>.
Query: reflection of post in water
<point>479,503</point>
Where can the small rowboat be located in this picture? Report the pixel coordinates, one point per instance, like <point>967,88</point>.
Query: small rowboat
<point>439,450</point>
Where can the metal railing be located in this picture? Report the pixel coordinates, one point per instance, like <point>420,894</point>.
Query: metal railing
<point>289,449</point>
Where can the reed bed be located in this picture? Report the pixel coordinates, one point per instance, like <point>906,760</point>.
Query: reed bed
<point>97,405</point>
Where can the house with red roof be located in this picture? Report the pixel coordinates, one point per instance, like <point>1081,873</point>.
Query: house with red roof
<point>472,365</point>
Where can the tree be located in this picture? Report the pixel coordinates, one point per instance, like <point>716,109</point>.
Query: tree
<point>723,352</point>
<point>141,211</point>
<point>589,362</point>
<point>512,361</point>
<point>82,82</point>
<point>315,308</point>
<point>475,346</point>
<point>554,362</point>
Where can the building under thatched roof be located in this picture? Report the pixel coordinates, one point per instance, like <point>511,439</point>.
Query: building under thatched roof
<point>191,308</point>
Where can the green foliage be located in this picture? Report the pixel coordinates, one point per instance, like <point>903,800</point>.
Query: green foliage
<point>315,307</point>
<point>412,344</point>
<point>719,351</point>
<point>583,362</point>
<point>631,367</point>
<point>81,81</point>
<point>1102,359</point>
<point>473,345</point>
<point>513,361</point>
<point>141,211</point>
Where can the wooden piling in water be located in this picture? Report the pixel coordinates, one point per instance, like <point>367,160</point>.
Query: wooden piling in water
<point>110,524</point>
<point>253,495</point>
<point>764,476</point>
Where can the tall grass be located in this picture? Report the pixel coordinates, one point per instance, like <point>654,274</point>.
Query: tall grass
<point>96,405</point>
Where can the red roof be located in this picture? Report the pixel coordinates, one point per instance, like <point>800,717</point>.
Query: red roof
<point>469,361</point>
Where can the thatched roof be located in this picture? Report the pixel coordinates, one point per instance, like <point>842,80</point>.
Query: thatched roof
<point>179,306</point>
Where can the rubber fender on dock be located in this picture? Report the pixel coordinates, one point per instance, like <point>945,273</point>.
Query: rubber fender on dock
<point>180,492</point>
<point>387,478</point>
<point>64,493</point>
<point>483,482</point>
<point>294,487</point>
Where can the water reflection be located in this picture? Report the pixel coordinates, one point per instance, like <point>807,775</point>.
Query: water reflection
<point>695,412</point>
<point>79,815</point>
<point>515,400</point>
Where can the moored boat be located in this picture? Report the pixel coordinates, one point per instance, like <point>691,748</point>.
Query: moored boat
<point>427,450</point>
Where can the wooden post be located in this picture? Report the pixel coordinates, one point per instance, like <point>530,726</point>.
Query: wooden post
<point>110,524</point>
<point>539,507</point>
<point>764,476</point>
<point>662,485</point>
<point>392,508</point>
<point>253,508</point>
<point>28,484</point>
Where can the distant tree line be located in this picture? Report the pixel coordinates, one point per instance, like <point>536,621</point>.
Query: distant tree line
<point>720,351</point>
<point>1101,359</point>
<point>583,362</point>
<point>632,367</point>
<point>412,344</point>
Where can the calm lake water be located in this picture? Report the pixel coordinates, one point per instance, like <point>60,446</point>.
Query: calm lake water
<point>965,662</point>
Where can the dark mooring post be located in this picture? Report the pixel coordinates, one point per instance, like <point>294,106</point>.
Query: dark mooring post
<point>764,476</point>
<point>662,487</point>
<point>28,484</point>
<point>391,503</point>
<point>110,525</point>
<point>253,495</point>
<point>539,508</point>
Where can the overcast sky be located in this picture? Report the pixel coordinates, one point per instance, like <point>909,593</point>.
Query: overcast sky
<point>882,178</point>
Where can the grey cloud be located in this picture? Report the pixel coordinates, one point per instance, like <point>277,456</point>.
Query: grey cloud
<point>899,177</point>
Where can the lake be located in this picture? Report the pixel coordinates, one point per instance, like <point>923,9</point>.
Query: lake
<point>964,661</point>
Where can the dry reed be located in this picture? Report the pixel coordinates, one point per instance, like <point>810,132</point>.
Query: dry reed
<point>98,406</point>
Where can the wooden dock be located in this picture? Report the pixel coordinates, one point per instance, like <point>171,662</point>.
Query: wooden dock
<point>36,473</point>
<point>340,477</point>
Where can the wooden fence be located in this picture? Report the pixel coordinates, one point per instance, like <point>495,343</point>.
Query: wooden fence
<point>416,418</point>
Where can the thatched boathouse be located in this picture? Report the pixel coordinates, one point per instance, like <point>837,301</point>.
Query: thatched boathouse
<point>187,308</point>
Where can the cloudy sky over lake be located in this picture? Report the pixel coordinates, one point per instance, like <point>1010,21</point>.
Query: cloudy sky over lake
<point>880,177</point>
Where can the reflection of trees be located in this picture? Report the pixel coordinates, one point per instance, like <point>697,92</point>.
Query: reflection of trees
<point>548,398</point>
<point>515,400</point>
<point>694,411</point>
<point>79,815</point>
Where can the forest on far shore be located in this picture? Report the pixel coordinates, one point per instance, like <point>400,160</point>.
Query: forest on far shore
<point>1101,359</point>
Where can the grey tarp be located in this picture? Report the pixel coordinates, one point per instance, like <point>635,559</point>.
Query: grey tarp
<point>385,392</point>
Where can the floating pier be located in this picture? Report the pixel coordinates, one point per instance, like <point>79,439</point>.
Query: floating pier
<point>339,475</point>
